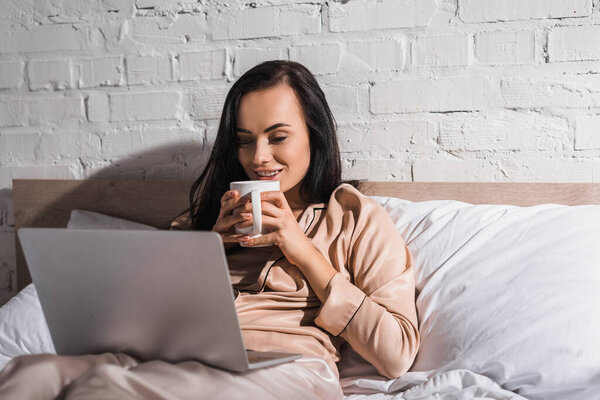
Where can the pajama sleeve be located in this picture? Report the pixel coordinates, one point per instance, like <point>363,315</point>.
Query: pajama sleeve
<point>372,306</point>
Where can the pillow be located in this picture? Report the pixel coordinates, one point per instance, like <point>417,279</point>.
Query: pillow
<point>23,329</point>
<point>509,292</point>
<point>83,219</point>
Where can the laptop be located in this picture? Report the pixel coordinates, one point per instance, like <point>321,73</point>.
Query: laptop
<point>156,295</point>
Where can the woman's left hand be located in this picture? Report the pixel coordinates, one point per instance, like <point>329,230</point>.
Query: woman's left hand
<point>284,230</point>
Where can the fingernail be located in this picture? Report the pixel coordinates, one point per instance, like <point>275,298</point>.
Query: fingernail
<point>246,215</point>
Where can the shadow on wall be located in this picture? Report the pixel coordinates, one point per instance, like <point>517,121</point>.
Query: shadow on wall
<point>150,187</point>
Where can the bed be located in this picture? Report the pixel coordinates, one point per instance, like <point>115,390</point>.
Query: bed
<point>508,286</point>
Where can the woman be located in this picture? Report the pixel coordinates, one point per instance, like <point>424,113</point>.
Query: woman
<point>336,269</point>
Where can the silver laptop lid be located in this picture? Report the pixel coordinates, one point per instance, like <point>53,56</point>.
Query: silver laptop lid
<point>153,294</point>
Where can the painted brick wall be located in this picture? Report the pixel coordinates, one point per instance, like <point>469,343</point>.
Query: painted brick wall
<point>423,90</point>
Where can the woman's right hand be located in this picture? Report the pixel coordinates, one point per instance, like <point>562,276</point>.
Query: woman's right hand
<point>227,219</point>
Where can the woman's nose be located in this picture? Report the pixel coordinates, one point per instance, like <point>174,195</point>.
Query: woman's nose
<point>262,153</point>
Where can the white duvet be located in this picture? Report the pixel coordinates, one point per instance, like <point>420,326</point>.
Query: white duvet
<point>23,330</point>
<point>508,304</point>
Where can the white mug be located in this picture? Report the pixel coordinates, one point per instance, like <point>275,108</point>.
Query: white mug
<point>254,188</point>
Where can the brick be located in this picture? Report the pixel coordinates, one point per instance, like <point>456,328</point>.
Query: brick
<point>144,106</point>
<point>345,101</point>
<point>156,31</point>
<point>159,137</point>
<point>67,144</point>
<point>437,95</point>
<point>362,15</point>
<point>453,170</point>
<point>377,169</point>
<point>553,169</point>
<point>441,51</point>
<point>37,111</point>
<point>106,71</point>
<point>574,43</point>
<point>323,58</point>
<point>11,75</point>
<point>504,130</point>
<point>18,146</point>
<point>247,23</point>
<point>587,132</point>
<point>13,112</point>
<point>560,91</point>
<point>505,48</point>
<point>120,142</point>
<point>375,55</point>
<point>384,138</point>
<point>202,65</point>
<point>207,103</point>
<point>50,74</point>
<point>55,110</point>
<point>146,70</point>
<point>248,57</point>
<point>303,19</point>
<point>44,38</point>
<point>98,108</point>
<point>509,10</point>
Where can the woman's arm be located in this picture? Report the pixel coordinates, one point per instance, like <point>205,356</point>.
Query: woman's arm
<point>376,312</point>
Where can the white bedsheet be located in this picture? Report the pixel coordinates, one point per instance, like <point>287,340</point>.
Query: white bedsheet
<point>23,330</point>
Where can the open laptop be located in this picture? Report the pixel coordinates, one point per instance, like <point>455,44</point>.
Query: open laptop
<point>156,295</point>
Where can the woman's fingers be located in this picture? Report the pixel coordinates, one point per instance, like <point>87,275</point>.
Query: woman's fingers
<point>229,201</point>
<point>232,199</point>
<point>225,223</point>
<point>269,222</point>
<point>232,237</point>
<point>267,208</point>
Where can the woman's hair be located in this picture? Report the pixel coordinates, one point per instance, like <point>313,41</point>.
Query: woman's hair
<point>324,171</point>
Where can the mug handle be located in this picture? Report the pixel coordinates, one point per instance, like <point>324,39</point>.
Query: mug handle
<point>256,213</point>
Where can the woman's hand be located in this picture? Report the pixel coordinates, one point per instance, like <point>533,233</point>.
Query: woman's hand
<point>285,232</point>
<point>226,220</point>
<point>283,229</point>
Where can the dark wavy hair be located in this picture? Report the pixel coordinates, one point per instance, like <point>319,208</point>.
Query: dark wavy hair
<point>324,172</point>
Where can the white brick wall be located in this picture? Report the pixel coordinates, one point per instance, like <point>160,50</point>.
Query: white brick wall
<point>473,90</point>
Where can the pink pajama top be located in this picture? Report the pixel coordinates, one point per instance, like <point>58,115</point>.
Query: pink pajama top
<point>370,301</point>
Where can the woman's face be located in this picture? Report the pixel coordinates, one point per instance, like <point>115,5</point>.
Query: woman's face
<point>273,139</point>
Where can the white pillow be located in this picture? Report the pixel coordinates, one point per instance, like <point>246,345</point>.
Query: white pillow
<point>23,329</point>
<point>509,292</point>
<point>83,219</point>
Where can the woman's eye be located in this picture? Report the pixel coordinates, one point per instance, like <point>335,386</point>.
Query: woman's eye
<point>278,139</point>
<point>242,142</point>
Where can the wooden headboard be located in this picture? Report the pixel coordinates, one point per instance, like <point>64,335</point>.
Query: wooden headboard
<point>48,203</point>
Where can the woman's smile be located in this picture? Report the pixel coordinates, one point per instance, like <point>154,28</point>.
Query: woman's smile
<point>268,174</point>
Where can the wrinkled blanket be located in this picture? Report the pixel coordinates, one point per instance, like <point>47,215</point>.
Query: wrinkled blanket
<point>23,330</point>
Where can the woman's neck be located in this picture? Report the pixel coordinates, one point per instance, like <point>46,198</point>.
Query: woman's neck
<point>295,201</point>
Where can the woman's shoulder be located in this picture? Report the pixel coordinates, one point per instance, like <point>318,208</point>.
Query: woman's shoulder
<point>348,198</point>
